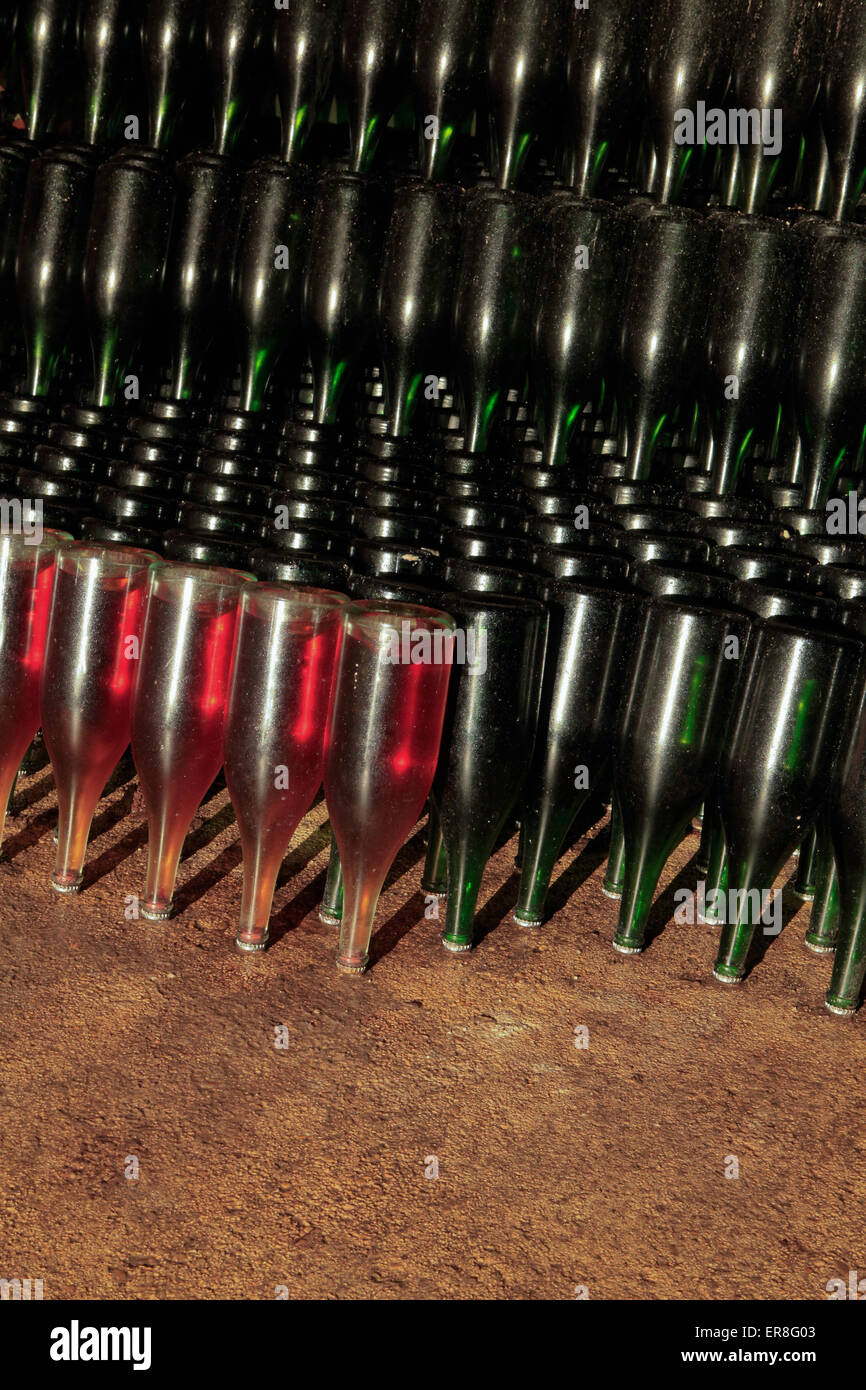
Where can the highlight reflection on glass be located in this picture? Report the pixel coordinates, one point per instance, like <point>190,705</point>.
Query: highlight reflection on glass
<point>381,746</point>
<point>89,674</point>
<point>179,707</point>
<point>288,639</point>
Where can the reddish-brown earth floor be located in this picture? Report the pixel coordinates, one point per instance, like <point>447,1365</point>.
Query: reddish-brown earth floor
<point>309,1167</point>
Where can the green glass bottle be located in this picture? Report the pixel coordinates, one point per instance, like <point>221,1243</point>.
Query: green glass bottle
<point>486,741</point>
<point>686,676</point>
<point>776,771</point>
<point>846,815</point>
<point>587,659</point>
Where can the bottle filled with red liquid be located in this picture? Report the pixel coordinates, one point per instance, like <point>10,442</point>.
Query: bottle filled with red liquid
<point>26,580</point>
<point>381,747</point>
<point>179,707</point>
<point>288,639</point>
<point>91,660</point>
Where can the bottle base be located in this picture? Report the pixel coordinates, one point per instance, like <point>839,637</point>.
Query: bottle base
<point>840,1010</point>
<point>806,895</point>
<point>251,947</point>
<point>627,948</point>
<point>728,979</point>
<point>349,968</point>
<point>615,893</point>
<point>704,921</point>
<point>701,868</point>
<point>457,948</point>
<point>70,885</point>
<point>330,919</point>
<point>820,948</point>
<point>527,919</point>
<point>156,914</point>
<point>432,892</point>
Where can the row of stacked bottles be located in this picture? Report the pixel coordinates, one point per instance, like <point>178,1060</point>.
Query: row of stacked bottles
<point>483,307</point>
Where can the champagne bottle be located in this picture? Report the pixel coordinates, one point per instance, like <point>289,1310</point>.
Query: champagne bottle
<point>687,60</point>
<point>374,51</point>
<point>13,181</point>
<point>283,668</point>
<point>776,65</point>
<point>198,266</point>
<point>486,741</point>
<point>381,745</point>
<point>171,34</point>
<point>686,676</point>
<point>340,286</point>
<point>234,40</point>
<point>845,819</point>
<point>586,664</point>
<point>305,42</point>
<point>51,249</point>
<point>614,874</point>
<point>447,53</point>
<point>664,320</point>
<point>106,43</point>
<point>268,274</point>
<point>579,269</point>
<point>762,600</point>
<point>414,297</point>
<point>524,76</point>
<point>603,82</point>
<point>803,885</point>
<point>490,328</point>
<point>843,107</point>
<point>44,40</point>
<point>828,363</point>
<point>382,590</point>
<point>753,302</point>
<point>774,778</point>
<point>123,269</point>
<point>331,906</point>
<point>823,931</point>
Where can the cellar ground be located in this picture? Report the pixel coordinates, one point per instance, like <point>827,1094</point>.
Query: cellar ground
<point>311,1167</point>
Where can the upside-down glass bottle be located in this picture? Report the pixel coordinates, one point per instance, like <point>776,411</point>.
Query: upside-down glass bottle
<point>51,251</point>
<point>305,41</point>
<point>490,319</point>
<point>179,707</point>
<point>91,658</point>
<point>686,675</point>
<point>198,266</point>
<point>586,665</point>
<point>381,746</point>
<point>486,743</point>
<point>447,54</point>
<point>663,324</point>
<point>123,268</point>
<point>775,776</point>
<point>579,257</point>
<point>269,273</point>
<point>171,30</point>
<point>845,814</point>
<point>26,580</point>
<point>373,60</point>
<point>287,644</point>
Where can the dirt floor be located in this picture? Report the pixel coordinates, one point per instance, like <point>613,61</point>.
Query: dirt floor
<point>309,1169</point>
